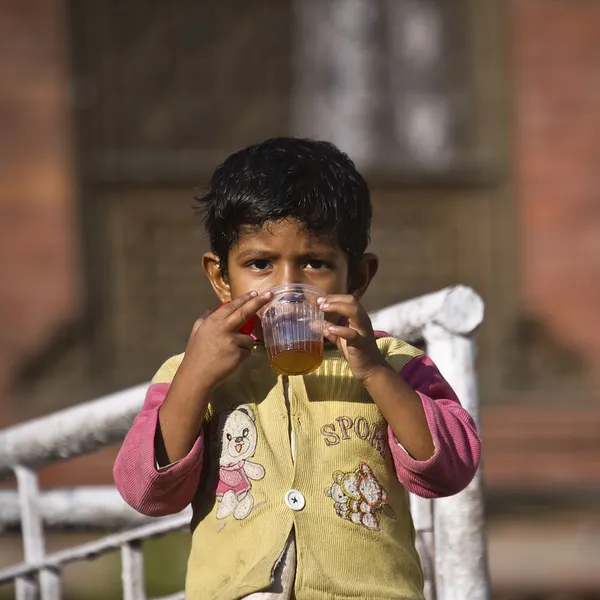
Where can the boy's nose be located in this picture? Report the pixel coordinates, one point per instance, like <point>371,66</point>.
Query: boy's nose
<point>292,274</point>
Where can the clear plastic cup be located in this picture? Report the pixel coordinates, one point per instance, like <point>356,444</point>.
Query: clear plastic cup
<point>292,325</point>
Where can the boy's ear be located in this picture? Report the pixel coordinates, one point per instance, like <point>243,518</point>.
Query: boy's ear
<point>212,268</point>
<point>364,273</point>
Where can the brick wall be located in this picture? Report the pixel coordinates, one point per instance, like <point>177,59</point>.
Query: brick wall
<point>547,439</point>
<point>37,260</point>
<point>556,65</point>
<point>467,232</point>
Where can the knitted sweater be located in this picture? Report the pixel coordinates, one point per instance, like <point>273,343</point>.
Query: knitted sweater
<point>298,485</point>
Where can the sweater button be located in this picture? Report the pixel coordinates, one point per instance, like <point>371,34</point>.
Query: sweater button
<point>295,500</point>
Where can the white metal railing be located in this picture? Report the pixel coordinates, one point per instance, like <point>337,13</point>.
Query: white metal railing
<point>450,531</point>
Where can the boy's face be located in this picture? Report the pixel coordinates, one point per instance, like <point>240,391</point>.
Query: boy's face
<point>281,253</point>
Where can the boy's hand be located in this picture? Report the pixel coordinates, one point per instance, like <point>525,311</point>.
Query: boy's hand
<point>216,347</point>
<point>356,340</point>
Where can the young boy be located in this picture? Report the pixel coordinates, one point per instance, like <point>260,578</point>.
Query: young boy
<point>298,484</point>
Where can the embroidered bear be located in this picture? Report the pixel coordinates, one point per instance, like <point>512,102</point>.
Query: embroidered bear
<point>359,497</point>
<point>238,437</point>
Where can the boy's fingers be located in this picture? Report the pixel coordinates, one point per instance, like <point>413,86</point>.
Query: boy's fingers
<point>228,309</point>
<point>346,333</point>
<point>248,308</point>
<point>347,303</point>
<point>326,302</point>
<point>328,334</point>
<point>244,341</point>
<point>344,309</point>
<point>347,298</point>
<point>348,306</point>
<point>334,339</point>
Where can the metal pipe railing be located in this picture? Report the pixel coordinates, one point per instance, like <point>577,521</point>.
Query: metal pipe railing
<point>98,508</point>
<point>450,531</point>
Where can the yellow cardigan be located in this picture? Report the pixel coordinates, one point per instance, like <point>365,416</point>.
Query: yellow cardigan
<point>308,454</point>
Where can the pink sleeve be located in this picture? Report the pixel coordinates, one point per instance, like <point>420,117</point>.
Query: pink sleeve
<point>457,444</point>
<point>147,490</point>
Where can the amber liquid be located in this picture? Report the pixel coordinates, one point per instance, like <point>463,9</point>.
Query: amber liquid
<point>296,358</point>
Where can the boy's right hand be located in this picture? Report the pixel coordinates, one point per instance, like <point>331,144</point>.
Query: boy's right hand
<point>216,347</point>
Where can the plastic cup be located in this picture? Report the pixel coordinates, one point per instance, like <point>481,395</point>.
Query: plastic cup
<point>292,325</point>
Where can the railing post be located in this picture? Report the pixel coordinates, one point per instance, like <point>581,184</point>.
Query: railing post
<point>422,514</point>
<point>132,565</point>
<point>460,548</point>
<point>33,540</point>
<point>26,588</point>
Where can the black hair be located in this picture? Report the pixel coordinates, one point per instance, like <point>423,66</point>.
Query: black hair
<point>288,178</point>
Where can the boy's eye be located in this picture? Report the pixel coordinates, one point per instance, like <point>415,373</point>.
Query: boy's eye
<point>259,265</point>
<point>316,264</point>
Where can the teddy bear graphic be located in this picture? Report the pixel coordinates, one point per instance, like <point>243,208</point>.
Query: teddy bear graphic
<point>359,497</point>
<point>238,437</point>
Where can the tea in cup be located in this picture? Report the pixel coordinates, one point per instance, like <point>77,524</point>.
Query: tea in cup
<point>292,325</point>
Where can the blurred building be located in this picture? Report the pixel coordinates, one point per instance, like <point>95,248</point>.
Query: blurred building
<point>476,123</point>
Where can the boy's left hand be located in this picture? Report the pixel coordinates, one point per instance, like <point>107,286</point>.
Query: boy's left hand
<point>355,340</point>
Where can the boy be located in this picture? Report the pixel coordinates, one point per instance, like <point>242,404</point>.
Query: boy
<point>298,485</point>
